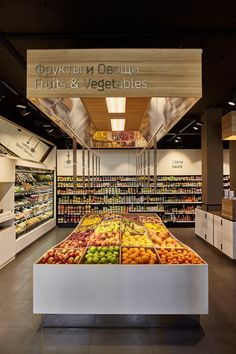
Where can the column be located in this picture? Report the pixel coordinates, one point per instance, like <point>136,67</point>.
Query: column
<point>212,160</point>
<point>232,165</point>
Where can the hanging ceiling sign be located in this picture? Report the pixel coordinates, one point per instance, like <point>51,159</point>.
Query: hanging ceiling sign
<point>114,72</point>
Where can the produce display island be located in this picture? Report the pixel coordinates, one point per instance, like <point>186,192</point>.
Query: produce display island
<point>121,264</point>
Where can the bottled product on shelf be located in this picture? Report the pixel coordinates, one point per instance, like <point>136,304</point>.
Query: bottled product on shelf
<point>33,198</point>
<point>175,197</point>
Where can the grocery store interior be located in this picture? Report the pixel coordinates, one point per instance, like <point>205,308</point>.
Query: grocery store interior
<point>117,178</point>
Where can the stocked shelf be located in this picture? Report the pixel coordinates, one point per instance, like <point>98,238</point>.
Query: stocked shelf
<point>28,225</point>
<point>119,194</point>
<point>33,199</point>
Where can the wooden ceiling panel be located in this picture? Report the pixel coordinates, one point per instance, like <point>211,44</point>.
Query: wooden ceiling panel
<point>135,110</point>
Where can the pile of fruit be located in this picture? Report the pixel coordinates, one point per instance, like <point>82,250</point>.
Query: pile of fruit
<point>161,237</point>
<point>62,256</point>
<point>90,220</point>
<point>76,239</point>
<point>136,240</point>
<point>179,257</point>
<point>102,255</point>
<point>135,255</point>
<point>106,234</point>
<point>140,239</point>
<point>151,219</point>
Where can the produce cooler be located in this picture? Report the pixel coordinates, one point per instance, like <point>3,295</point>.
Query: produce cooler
<point>121,264</point>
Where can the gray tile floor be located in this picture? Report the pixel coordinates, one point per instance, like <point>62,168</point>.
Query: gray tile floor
<point>20,330</point>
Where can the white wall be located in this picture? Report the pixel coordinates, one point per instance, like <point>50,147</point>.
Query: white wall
<point>122,162</point>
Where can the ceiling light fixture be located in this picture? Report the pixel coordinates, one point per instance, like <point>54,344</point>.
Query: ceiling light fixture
<point>177,140</point>
<point>21,106</point>
<point>232,100</point>
<point>199,123</point>
<point>195,128</point>
<point>25,113</point>
<point>118,125</point>
<point>116,104</point>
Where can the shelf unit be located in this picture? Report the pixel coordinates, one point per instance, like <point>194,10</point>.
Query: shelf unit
<point>34,199</point>
<point>175,198</point>
<point>7,228</point>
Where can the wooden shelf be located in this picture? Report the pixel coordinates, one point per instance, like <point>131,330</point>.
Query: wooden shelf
<point>6,216</point>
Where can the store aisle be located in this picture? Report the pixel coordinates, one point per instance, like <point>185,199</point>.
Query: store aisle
<point>20,330</point>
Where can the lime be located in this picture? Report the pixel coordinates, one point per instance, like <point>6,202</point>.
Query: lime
<point>103,260</point>
<point>93,249</point>
<point>95,260</point>
<point>90,260</point>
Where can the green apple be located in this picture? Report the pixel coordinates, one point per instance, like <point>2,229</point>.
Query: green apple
<point>90,260</point>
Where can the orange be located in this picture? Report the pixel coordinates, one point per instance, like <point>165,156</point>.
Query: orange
<point>133,262</point>
<point>139,260</point>
<point>145,259</point>
<point>124,249</point>
<point>133,256</point>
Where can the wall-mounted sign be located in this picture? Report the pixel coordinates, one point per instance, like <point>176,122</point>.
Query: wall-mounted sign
<point>114,72</point>
<point>20,142</point>
<point>177,163</point>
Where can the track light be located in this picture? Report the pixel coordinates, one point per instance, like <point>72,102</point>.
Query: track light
<point>199,123</point>
<point>50,130</point>
<point>25,113</point>
<point>195,127</point>
<point>177,140</point>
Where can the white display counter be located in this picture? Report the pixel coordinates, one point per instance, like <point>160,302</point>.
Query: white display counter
<point>216,230</point>
<point>120,289</point>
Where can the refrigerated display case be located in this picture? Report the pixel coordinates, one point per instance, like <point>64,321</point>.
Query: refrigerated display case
<point>34,198</point>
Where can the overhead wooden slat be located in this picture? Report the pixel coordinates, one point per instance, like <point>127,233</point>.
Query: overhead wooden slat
<point>135,110</point>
